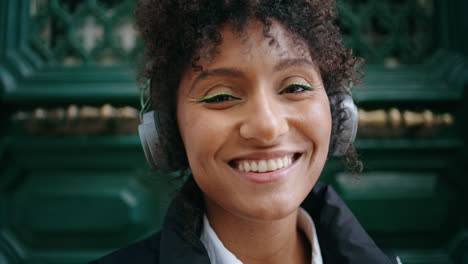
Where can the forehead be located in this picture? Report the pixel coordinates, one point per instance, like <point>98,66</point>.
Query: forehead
<point>253,43</point>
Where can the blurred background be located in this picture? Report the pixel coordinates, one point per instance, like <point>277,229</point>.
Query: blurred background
<point>74,184</point>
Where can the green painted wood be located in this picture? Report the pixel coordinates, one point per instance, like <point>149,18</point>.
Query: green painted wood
<point>25,77</point>
<point>70,199</point>
<point>77,198</point>
<point>388,32</point>
<point>441,78</point>
<point>32,72</point>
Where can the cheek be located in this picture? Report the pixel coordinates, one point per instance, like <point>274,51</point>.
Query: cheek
<point>201,136</point>
<point>314,122</point>
<point>322,122</point>
<point>203,139</point>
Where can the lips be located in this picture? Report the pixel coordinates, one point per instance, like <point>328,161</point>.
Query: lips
<point>264,165</point>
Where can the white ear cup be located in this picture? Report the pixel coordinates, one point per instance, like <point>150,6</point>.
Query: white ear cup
<point>149,136</point>
<point>344,136</point>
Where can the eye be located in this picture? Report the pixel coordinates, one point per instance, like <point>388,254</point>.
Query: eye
<point>218,98</point>
<point>294,88</point>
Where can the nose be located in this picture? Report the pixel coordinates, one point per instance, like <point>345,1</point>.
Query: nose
<point>264,121</point>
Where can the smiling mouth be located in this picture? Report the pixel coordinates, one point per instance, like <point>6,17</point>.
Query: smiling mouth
<point>265,165</point>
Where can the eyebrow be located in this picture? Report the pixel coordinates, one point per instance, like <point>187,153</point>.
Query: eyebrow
<point>287,63</point>
<point>228,72</point>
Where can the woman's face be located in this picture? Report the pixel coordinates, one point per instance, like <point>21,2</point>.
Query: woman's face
<point>255,123</point>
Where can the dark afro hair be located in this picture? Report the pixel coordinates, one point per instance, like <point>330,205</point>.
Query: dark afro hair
<point>178,33</point>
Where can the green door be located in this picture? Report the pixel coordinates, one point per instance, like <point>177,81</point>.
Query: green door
<point>74,184</point>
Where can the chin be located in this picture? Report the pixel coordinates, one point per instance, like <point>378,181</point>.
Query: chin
<point>270,210</point>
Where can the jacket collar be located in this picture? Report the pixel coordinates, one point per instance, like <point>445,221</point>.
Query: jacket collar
<point>342,239</point>
<point>180,235</point>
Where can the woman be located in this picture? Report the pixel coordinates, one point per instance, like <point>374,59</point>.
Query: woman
<point>243,94</point>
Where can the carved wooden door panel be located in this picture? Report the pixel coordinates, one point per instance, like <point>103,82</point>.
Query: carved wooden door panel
<point>74,184</point>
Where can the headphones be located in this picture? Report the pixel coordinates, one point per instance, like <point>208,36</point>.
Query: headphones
<point>344,124</point>
<point>149,130</point>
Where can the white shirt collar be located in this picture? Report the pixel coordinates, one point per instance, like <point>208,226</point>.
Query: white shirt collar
<point>306,224</point>
<point>218,254</point>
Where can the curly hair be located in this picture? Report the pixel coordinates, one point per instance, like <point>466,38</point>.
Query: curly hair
<point>179,33</point>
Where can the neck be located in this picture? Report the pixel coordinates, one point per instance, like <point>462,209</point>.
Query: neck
<point>255,242</point>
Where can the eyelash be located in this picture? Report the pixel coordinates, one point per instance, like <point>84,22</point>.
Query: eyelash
<point>224,97</point>
<point>218,98</point>
<point>302,86</point>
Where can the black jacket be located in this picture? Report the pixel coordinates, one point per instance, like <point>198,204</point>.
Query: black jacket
<point>342,239</point>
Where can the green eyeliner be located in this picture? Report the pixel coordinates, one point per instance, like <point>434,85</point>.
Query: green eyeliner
<point>299,84</point>
<point>209,97</point>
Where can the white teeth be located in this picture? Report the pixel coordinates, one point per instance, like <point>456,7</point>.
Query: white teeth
<point>279,162</point>
<point>262,166</point>
<point>253,166</point>
<point>271,165</point>
<point>246,166</point>
<point>265,165</point>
